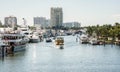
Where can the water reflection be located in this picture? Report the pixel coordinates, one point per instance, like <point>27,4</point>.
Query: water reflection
<point>75,57</point>
<point>34,52</point>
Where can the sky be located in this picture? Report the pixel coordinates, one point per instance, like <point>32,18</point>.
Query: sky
<point>87,12</point>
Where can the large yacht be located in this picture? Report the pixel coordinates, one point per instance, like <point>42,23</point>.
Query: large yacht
<point>15,41</point>
<point>26,32</point>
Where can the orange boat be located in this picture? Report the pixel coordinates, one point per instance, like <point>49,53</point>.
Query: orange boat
<point>59,41</point>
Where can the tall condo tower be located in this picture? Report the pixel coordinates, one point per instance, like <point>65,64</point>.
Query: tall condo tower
<point>56,18</point>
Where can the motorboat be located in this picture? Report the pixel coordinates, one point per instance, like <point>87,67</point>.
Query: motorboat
<point>84,39</point>
<point>94,41</point>
<point>27,33</point>
<point>59,41</point>
<point>34,38</point>
<point>48,40</point>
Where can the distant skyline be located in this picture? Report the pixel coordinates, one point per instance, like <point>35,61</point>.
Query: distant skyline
<point>87,12</point>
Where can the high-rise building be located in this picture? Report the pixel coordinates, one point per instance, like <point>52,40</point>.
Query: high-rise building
<point>10,21</point>
<point>41,22</point>
<point>56,17</point>
<point>37,21</point>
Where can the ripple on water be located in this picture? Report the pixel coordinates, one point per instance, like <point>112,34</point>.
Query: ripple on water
<point>75,57</point>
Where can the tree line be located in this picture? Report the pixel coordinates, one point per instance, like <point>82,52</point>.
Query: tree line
<point>106,30</point>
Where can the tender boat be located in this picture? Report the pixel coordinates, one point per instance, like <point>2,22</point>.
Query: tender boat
<point>59,41</point>
<point>48,40</point>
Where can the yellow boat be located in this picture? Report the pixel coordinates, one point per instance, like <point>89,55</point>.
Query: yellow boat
<point>59,41</point>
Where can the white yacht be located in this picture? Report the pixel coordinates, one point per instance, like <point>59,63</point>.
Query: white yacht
<point>93,41</point>
<point>26,32</point>
<point>16,40</point>
<point>35,38</point>
<point>48,40</point>
<point>84,38</point>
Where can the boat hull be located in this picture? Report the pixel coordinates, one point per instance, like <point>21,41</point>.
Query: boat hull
<point>84,41</point>
<point>19,48</point>
<point>34,40</point>
<point>48,41</point>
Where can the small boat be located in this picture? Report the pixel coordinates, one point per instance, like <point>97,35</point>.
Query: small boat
<point>34,38</point>
<point>94,41</point>
<point>59,41</point>
<point>48,40</point>
<point>84,39</point>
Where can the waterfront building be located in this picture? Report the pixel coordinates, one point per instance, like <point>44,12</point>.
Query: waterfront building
<point>72,24</point>
<point>41,22</point>
<point>36,21</point>
<point>10,21</point>
<point>56,17</point>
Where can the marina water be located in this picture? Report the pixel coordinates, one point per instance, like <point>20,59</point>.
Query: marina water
<point>75,57</point>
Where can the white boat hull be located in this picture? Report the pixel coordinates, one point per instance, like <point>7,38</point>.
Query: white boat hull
<point>19,48</point>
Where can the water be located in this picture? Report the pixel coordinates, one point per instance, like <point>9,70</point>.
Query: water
<point>75,57</point>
